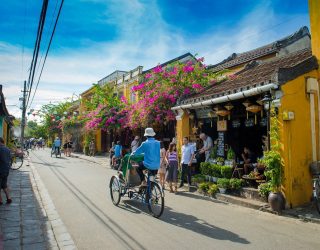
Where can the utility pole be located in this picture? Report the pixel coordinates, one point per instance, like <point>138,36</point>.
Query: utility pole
<point>23,118</point>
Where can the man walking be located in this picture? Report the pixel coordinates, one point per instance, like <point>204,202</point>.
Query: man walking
<point>5,159</point>
<point>186,161</point>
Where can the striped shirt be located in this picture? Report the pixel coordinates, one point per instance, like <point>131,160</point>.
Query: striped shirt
<point>172,156</point>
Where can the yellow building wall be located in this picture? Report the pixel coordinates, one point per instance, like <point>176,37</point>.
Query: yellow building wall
<point>296,148</point>
<point>183,129</point>
<point>98,140</point>
<point>314,12</point>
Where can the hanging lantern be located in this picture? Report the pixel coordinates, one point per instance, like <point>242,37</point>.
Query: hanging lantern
<point>191,116</point>
<point>247,103</point>
<point>228,107</point>
<point>200,123</point>
<point>223,112</point>
<point>260,101</point>
<point>254,109</point>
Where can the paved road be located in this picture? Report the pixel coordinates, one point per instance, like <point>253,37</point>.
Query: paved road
<point>78,189</point>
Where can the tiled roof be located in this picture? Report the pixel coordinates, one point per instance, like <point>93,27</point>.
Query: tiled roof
<point>278,70</point>
<point>237,59</point>
<point>179,58</point>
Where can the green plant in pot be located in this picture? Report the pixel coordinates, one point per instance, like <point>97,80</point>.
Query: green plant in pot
<point>205,169</point>
<point>264,190</point>
<point>230,157</point>
<point>213,189</point>
<point>273,162</point>
<point>223,185</point>
<point>204,187</point>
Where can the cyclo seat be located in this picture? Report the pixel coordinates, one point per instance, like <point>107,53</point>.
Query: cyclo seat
<point>129,172</point>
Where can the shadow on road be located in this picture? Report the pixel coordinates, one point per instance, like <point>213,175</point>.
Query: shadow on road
<point>186,221</point>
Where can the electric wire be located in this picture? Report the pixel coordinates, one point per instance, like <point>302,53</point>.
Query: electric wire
<point>37,48</point>
<point>45,58</point>
<point>47,35</point>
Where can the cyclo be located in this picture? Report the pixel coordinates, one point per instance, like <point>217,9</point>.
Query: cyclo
<point>127,182</point>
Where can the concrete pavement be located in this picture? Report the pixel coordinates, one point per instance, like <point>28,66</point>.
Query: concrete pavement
<point>79,191</point>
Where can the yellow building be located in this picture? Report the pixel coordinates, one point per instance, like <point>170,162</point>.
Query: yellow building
<point>5,119</point>
<point>233,112</point>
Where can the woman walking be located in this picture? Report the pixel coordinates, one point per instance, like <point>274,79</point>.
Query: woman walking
<point>172,175</point>
<point>163,165</point>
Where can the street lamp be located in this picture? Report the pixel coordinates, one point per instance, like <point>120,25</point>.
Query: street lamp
<point>267,106</point>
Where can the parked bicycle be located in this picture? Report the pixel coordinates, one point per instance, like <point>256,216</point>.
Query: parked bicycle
<point>16,159</point>
<point>315,171</point>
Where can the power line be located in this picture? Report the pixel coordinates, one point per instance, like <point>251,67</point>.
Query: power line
<point>37,47</point>
<point>47,38</point>
<point>45,58</point>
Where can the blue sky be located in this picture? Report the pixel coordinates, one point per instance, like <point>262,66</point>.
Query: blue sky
<point>96,37</point>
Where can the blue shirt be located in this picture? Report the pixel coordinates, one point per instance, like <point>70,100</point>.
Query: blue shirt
<point>117,150</point>
<point>57,143</point>
<point>151,150</point>
<point>5,159</point>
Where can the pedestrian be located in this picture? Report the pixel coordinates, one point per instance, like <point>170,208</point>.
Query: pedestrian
<point>92,148</point>
<point>207,145</point>
<point>172,175</point>
<point>65,148</point>
<point>69,147</point>
<point>5,159</point>
<point>135,143</point>
<point>163,165</point>
<point>111,152</point>
<point>186,161</point>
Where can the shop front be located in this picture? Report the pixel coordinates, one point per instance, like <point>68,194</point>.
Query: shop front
<point>236,115</point>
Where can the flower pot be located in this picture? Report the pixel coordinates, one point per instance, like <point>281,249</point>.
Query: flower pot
<point>222,190</point>
<point>214,179</point>
<point>207,177</point>
<point>276,201</point>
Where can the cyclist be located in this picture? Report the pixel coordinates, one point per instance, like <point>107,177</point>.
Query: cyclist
<point>57,145</point>
<point>117,153</point>
<point>151,150</point>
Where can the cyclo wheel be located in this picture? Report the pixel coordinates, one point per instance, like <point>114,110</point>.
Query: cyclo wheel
<point>16,162</point>
<point>115,190</point>
<point>316,194</point>
<point>52,152</point>
<point>155,199</point>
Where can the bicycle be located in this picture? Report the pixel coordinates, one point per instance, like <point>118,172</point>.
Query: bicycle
<point>315,171</point>
<point>152,194</point>
<point>16,160</point>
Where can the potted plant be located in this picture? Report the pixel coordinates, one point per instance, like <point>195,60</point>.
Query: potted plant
<point>226,172</point>
<point>205,170</point>
<point>223,185</point>
<point>264,190</point>
<point>213,189</point>
<point>220,161</point>
<point>199,178</point>
<point>204,187</point>
<point>235,184</point>
<point>273,172</point>
<point>230,157</point>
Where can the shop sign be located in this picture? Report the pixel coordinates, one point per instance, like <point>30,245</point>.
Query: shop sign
<point>222,125</point>
<point>203,113</point>
<point>263,122</point>
<point>220,144</point>
<point>249,122</point>
<point>236,123</point>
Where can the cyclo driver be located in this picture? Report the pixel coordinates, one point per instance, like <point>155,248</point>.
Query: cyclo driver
<point>57,145</point>
<point>151,150</point>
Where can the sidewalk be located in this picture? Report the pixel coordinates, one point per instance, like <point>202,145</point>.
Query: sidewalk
<point>30,221</point>
<point>22,223</point>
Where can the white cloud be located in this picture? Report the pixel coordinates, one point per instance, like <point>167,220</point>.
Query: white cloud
<point>140,42</point>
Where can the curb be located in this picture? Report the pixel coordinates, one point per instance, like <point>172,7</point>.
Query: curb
<point>57,234</point>
<point>263,207</point>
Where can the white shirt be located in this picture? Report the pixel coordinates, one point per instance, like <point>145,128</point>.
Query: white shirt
<point>187,152</point>
<point>134,145</point>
